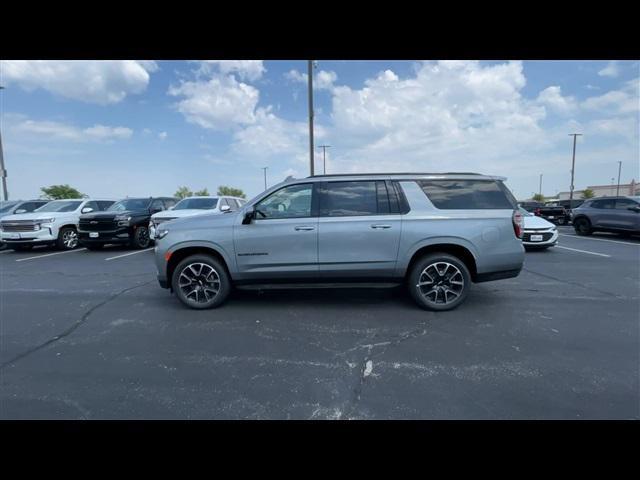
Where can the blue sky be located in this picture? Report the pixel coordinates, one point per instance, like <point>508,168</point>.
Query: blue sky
<point>117,128</point>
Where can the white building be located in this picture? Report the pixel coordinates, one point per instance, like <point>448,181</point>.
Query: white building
<point>632,188</point>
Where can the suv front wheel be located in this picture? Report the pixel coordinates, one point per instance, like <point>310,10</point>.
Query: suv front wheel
<point>141,238</point>
<point>439,282</point>
<point>67,238</point>
<point>200,282</point>
<point>582,226</point>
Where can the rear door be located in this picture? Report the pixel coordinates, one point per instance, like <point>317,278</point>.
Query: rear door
<point>358,233</point>
<point>603,213</point>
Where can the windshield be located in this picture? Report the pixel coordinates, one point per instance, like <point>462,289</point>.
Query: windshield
<point>130,204</point>
<point>6,206</point>
<point>60,206</point>
<point>197,203</point>
<point>524,212</point>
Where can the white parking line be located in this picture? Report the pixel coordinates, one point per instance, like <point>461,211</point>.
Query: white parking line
<point>50,254</point>
<point>583,251</point>
<point>598,239</point>
<point>127,254</point>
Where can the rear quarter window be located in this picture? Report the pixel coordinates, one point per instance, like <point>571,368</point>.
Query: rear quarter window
<point>467,194</point>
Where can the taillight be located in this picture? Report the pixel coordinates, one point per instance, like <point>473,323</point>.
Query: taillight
<point>518,223</point>
<point>536,212</point>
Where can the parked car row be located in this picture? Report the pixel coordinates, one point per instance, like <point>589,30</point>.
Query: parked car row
<point>94,223</point>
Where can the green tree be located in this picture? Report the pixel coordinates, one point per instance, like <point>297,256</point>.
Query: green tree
<point>232,192</point>
<point>202,193</point>
<point>183,192</point>
<point>538,197</point>
<point>588,193</point>
<point>60,192</point>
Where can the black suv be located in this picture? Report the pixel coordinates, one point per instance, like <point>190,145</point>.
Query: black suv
<point>125,222</point>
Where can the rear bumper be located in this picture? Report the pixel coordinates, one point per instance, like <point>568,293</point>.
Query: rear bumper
<point>164,283</point>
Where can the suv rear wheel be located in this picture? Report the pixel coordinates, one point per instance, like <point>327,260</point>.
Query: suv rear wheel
<point>439,282</point>
<point>582,226</point>
<point>67,238</point>
<point>200,282</point>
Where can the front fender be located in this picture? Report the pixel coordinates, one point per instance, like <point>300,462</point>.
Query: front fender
<point>229,259</point>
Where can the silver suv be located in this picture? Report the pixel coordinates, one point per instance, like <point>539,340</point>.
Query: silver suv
<point>438,233</point>
<point>608,214</point>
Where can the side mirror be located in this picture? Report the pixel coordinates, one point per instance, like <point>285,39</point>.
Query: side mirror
<point>225,208</point>
<point>20,210</point>
<point>634,209</point>
<point>86,210</point>
<point>248,216</point>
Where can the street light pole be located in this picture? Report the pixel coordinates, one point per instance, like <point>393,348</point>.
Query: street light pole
<point>3,172</point>
<point>265,177</point>
<point>619,169</point>
<point>310,86</point>
<point>573,166</point>
<point>540,189</point>
<point>324,157</point>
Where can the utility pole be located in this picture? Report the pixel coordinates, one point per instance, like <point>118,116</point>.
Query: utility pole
<point>3,172</point>
<point>265,177</point>
<point>619,169</point>
<point>310,75</point>
<point>540,189</point>
<point>573,167</point>
<point>324,157</point>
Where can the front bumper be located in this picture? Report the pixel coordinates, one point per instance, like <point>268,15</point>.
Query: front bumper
<point>121,235</point>
<point>549,238</point>
<point>42,236</point>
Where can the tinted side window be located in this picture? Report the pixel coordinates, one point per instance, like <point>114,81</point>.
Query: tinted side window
<point>623,204</point>
<point>465,194</point>
<point>603,204</point>
<point>104,204</point>
<point>93,205</point>
<point>288,202</point>
<point>340,199</point>
<point>157,205</point>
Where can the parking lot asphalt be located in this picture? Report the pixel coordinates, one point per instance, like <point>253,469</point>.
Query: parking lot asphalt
<point>91,335</point>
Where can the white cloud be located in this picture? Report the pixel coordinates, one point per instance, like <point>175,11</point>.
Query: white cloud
<point>611,70</point>
<point>162,135</point>
<point>245,69</point>
<point>44,130</point>
<point>552,98</point>
<point>96,81</point>
<point>220,103</point>
<point>625,100</point>
<point>323,80</point>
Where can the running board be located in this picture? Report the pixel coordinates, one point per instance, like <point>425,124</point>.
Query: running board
<point>300,286</point>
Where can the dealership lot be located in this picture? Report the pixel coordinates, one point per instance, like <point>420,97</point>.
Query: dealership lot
<point>91,335</point>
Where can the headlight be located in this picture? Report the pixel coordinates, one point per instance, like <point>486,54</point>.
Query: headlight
<point>46,220</point>
<point>160,234</point>
<point>123,220</point>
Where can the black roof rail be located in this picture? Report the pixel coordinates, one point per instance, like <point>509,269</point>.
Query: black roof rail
<point>391,173</point>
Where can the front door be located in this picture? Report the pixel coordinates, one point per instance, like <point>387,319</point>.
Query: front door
<point>282,241</point>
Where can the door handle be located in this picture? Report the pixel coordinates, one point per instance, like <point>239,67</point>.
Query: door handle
<point>380,226</point>
<point>303,228</point>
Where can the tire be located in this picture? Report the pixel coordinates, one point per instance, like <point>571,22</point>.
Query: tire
<point>438,299</point>
<point>204,269</point>
<point>94,246</point>
<point>67,239</point>
<point>582,226</point>
<point>141,238</point>
<point>22,248</point>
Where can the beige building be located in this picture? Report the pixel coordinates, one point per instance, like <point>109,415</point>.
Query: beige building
<point>632,188</point>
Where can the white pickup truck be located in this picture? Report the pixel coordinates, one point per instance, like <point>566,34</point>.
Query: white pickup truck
<point>55,223</point>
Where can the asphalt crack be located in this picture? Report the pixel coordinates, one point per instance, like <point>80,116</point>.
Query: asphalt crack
<point>73,327</point>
